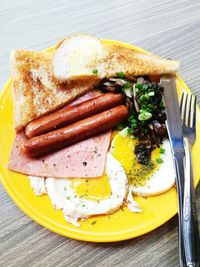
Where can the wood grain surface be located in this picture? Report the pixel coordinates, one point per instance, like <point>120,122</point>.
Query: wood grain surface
<point>167,28</point>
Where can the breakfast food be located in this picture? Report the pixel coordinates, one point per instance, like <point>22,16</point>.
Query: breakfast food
<point>86,56</point>
<point>73,114</point>
<point>75,132</point>
<point>90,126</point>
<point>83,159</point>
<point>35,91</point>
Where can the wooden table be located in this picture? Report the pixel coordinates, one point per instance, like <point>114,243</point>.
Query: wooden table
<point>167,28</point>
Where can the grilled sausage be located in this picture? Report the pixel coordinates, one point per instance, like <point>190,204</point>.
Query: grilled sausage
<point>75,132</point>
<point>73,113</point>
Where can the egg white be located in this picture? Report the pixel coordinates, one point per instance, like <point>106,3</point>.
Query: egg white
<point>38,185</point>
<point>162,180</point>
<point>79,207</point>
<point>56,191</point>
<point>74,207</point>
<point>64,197</point>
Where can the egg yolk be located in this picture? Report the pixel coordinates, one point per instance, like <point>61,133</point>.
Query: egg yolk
<point>123,150</point>
<point>92,188</point>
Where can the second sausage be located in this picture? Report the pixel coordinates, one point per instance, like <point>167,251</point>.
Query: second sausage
<point>73,113</point>
<point>75,132</point>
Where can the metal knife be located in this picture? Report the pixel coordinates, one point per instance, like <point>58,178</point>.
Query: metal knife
<point>174,129</point>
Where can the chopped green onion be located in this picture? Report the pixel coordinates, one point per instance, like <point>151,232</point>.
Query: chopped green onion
<point>127,85</point>
<point>151,93</point>
<point>159,161</point>
<point>94,222</point>
<point>144,87</point>
<point>132,119</point>
<point>142,98</point>
<point>161,104</point>
<point>124,132</point>
<point>144,116</point>
<point>95,71</point>
<point>139,85</point>
<point>133,122</point>
<point>133,136</point>
<point>143,110</point>
<point>120,74</point>
<point>162,151</point>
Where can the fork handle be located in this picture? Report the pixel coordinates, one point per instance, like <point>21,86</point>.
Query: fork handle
<point>179,170</point>
<point>190,219</point>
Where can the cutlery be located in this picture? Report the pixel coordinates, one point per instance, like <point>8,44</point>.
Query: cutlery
<point>175,133</point>
<point>190,219</point>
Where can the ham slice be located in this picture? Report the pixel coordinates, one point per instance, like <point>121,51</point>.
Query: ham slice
<point>83,159</point>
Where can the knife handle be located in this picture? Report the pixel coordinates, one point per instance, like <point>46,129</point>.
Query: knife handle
<point>179,169</point>
<point>190,219</point>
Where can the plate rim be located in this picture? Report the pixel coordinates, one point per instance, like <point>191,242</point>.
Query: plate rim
<point>86,236</point>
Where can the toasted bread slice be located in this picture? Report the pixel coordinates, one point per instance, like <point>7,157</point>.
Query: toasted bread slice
<point>84,55</point>
<point>77,56</point>
<point>35,91</point>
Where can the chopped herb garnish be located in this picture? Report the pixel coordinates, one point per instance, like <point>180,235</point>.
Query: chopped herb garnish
<point>95,150</point>
<point>133,122</point>
<point>159,161</point>
<point>162,151</point>
<point>95,71</point>
<point>161,104</point>
<point>151,93</point>
<point>147,112</point>
<point>144,87</point>
<point>144,116</point>
<point>127,85</point>
<point>139,85</point>
<point>120,74</point>
<point>124,91</point>
<point>94,222</point>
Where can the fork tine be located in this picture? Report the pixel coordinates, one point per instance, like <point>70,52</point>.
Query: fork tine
<point>190,111</point>
<point>185,113</point>
<point>181,105</point>
<point>194,111</point>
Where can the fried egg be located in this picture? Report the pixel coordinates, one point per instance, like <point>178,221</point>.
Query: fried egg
<point>82,198</point>
<point>123,178</point>
<point>79,207</point>
<point>38,185</point>
<point>156,178</point>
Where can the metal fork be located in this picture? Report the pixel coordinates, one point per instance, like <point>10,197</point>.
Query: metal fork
<point>190,220</point>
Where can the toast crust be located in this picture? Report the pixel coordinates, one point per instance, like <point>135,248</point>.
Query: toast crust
<point>35,91</point>
<point>39,87</point>
<point>72,59</point>
<point>120,59</point>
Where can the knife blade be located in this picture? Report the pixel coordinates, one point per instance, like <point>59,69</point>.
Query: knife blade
<point>175,133</point>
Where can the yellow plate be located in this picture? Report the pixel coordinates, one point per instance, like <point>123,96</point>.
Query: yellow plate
<point>118,226</point>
